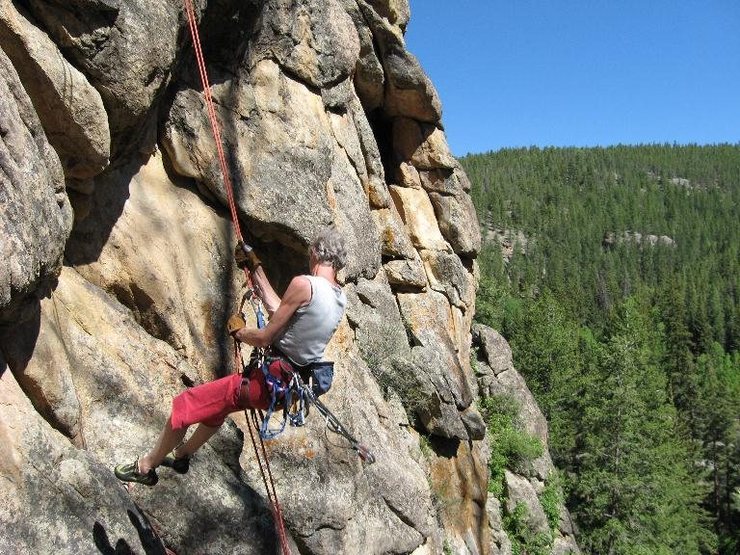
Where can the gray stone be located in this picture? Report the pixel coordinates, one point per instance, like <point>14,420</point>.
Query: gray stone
<point>70,109</point>
<point>396,12</point>
<point>369,77</point>
<point>519,490</point>
<point>373,315</point>
<point>44,477</point>
<point>394,239</point>
<point>474,424</point>
<point>125,49</point>
<point>337,97</point>
<point>35,214</point>
<point>303,37</point>
<point>406,274</point>
<point>408,91</point>
<point>447,275</point>
<point>377,188</point>
<point>500,543</point>
<point>495,350</point>
<point>458,222</point>
<point>423,145</point>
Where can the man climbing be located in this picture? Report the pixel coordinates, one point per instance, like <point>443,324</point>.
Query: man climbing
<point>300,326</point>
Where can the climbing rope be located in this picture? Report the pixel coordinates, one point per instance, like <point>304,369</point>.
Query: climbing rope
<point>262,458</point>
<point>212,115</point>
<point>264,464</point>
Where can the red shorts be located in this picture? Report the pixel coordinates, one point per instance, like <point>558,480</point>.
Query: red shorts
<point>211,402</point>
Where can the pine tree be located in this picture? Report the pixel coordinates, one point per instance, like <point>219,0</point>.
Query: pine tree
<point>718,426</point>
<point>635,492</point>
<point>546,351</point>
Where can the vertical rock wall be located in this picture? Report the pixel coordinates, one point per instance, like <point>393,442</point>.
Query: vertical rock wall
<point>328,119</point>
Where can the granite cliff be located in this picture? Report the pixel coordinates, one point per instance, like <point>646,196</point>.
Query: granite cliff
<point>118,276</point>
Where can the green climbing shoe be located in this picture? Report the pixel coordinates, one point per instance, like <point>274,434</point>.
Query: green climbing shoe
<point>130,473</point>
<point>181,465</point>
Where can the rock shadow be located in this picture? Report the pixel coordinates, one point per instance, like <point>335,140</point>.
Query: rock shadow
<point>18,341</point>
<point>150,540</point>
<point>104,207</point>
<point>255,523</point>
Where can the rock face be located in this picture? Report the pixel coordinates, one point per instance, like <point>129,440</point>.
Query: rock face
<point>326,119</point>
<point>498,377</point>
<point>36,217</point>
<point>612,239</point>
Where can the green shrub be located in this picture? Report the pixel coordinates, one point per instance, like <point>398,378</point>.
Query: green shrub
<point>524,540</point>
<point>551,500</point>
<point>511,447</point>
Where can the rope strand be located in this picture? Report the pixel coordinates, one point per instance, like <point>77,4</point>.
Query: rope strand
<point>266,476</point>
<point>212,116</point>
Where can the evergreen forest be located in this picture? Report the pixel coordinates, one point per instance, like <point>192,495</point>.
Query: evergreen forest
<point>614,275</point>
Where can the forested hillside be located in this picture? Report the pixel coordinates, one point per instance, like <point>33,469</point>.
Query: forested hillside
<point>613,273</point>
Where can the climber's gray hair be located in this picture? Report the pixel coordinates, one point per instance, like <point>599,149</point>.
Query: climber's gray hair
<point>329,248</point>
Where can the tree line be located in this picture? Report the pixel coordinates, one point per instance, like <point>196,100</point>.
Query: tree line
<point>613,273</point>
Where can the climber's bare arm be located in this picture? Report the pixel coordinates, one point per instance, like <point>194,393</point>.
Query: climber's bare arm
<point>264,290</point>
<point>297,295</point>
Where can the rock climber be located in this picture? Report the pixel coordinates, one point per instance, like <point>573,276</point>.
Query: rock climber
<point>301,323</point>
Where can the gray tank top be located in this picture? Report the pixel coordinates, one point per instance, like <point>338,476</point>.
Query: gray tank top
<point>311,327</point>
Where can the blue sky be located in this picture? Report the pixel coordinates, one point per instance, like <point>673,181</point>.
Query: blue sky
<point>581,72</point>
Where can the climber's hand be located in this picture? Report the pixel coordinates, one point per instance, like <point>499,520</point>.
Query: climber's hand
<point>235,323</point>
<point>246,257</point>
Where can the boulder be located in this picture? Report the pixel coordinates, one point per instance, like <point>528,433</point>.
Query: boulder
<point>394,240</point>
<point>302,37</point>
<point>500,542</point>
<point>497,376</point>
<point>291,178</point>
<point>35,214</point>
<point>520,491</point>
<point>373,314</point>
<point>45,477</point>
<point>447,275</point>
<point>458,484</point>
<point>448,191</point>
<point>458,222</point>
<point>408,90</point>
<point>417,213</point>
<point>396,12</point>
<point>376,188</point>
<point>423,145</point>
<point>70,109</point>
<point>125,49</point>
<point>406,275</point>
<point>408,176</point>
<point>429,321</point>
<point>369,78</point>
<point>494,350</point>
<point>165,255</point>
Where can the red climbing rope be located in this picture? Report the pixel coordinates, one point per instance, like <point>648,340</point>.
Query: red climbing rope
<point>263,461</point>
<point>277,511</point>
<point>212,115</point>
